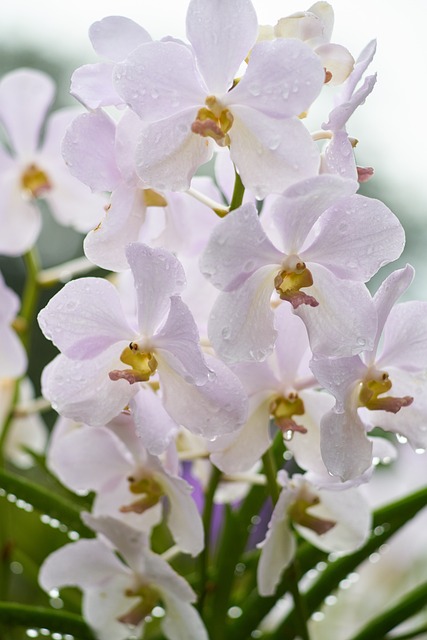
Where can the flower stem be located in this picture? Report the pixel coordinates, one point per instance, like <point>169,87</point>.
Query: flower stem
<point>207,520</point>
<point>30,295</point>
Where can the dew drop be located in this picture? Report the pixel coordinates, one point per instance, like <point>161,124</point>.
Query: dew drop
<point>288,435</point>
<point>401,439</point>
<point>420,450</point>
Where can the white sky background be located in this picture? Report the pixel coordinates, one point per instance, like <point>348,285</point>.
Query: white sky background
<point>390,126</point>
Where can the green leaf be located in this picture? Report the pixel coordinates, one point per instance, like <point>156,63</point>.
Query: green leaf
<point>13,614</point>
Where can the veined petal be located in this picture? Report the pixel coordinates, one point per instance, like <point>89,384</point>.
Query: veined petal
<point>346,451</point>
<point>334,330</point>
<point>178,344</point>
<point>222,34</point>
<point>114,37</point>
<point>241,324</point>
<point>388,294</point>
<point>92,85</point>
<point>160,79</point>
<point>237,247</point>
<point>278,548</point>
<point>271,154</point>
<point>216,408</point>
<point>241,451</point>
<point>153,424</point>
<point>303,203</point>
<point>106,245</point>
<point>182,620</point>
<point>25,97</point>
<point>405,337</point>
<point>356,236</point>
<point>65,385</point>
<point>158,275</point>
<point>88,151</point>
<point>87,458</point>
<point>169,153</point>
<point>85,318</point>
<point>86,563</point>
<point>282,80</point>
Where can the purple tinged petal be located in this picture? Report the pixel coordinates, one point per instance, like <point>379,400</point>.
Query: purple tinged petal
<point>334,329</point>
<point>158,275</point>
<point>282,80</point>
<point>303,203</point>
<point>65,384</point>
<point>356,237</point>
<point>271,154</point>
<point>154,425</point>
<point>341,114</point>
<point>346,451</point>
<point>92,85</point>
<point>241,324</point>
<point>177,343</point>
<point>19,231</point>
<point>169,153</point>
<point>85,318</point>
<point>363,61</point>
<point>237,247</point>
<point>292,346</point>
<point>88,151</point>
<point>338,157</point>
<point>340,376</point>
<point>13,359</point>
<point>222,34</point>
<point>388,293</point>
<point>405,338</point>
<point>114,37</point>
<point>159,80</point>
<point>25,97</point>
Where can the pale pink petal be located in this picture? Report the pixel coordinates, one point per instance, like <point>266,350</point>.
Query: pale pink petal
<point>102,607</point>
<point>25,97</point>
<point>130,543</point>
<point>216,408</point>
<point>159,80</point>
<point>158,275</point>
<point>278,548</point>
<point>87,458</point>
<point>355,237</point>
<point>182,621</point>
<point>338,157</point>
<point>222,34</point>
<point>405,337</point>
<point>177,343</point>
<point>333,327</point>
<point>92,85</point>
<point>88,150</point>
<point>154,425</point>
<point>106,244</point>
<point>128,129</point>
<point>352,515</point>
<point>339,375</point>
<point>388,293</point>
<point>292,347</point>
<point>82,390</point>
<point>257,376</point>
<point>237,247</point>
<point>346,451</point>
<point>169,153</point>
<point>282,80</point>
<point>241,324</point>
<point>240,452</point>
<point>340,115</point>
<point>337,60</point>
<point>19,231</point>
<point>114,37</point>
<point>363,61</point>
<point>13,359</point>
<point>303,203</point>
<point>86,563</point>
<point>271,154</point>
<point>85,318</point>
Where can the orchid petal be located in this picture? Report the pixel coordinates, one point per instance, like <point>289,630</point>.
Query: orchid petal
<point>241,324</point>
<point>237,247</point>
<point>114,37</point>
<point>222,34</point>
<point>159,80</point>
<point>271,154</point>
<point>103,607</point>
<point>405,337</point>
<point>338,157</point>
<point>92,85</point>
<point>13,359</point>
<point>88,150</point>
<point>91,310</point>
<point>158,275</point>
<point>182,621</point>
<point>356,236</point>
<point>363,61</point>
<point>25,97</point>
<point>153,424</point>
<point>341,114</point>
<point>282,80</point>
<point>339,375</point>
<point>337,60</point>
<point>19,231</point>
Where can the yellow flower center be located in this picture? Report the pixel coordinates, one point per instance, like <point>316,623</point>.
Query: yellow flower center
<point>149,490</point>
<point>373,387</point>
<point>35,182</point>
<point>149,598</point>
<point>214,121</point>
<point>143,365</point>
<point>291,279</point>
<point>282,411</point>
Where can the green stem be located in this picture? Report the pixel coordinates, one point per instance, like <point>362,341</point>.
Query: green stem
<point>30,295</point>
<point>13,614</point>
<point>410,604</point>
<point>410,635</point>
<point>238,193</point>
<point>207,521</point>
<point>270,471</point>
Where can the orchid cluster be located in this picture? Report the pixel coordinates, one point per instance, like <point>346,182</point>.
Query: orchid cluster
<point>234,361</point>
